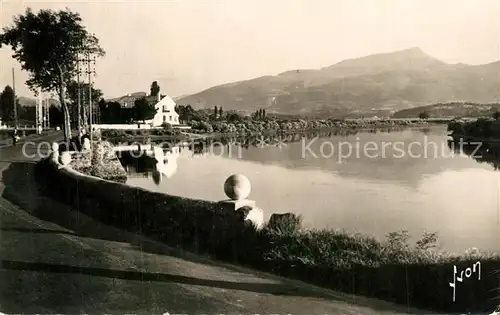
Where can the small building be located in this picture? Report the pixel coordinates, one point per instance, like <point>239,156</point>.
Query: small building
<point>165,111</point>
<point>164,104</point>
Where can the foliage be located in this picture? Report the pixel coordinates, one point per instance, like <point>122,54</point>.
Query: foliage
<point>112,112</point>
<point>233,117</point>
<point>47,45</point>
<point>234,123</point>
<point>155,89</point>
<point>496,115</point>
<point>143,110</point>
<point>103,162</point>
<point>7,104</point>
<point>260,114</point>
<point>424,115</point>
<point>187,113</point>
<point>166,126</point>
<point>485,128</point>
<point>72,95</point>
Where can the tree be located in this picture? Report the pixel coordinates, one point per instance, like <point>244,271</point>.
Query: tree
<point>496,115</point>
<point>72,95</point>
<point>116,113</point>
<point>155,89</point>
<point>187,113</point>
<point>233,117</point>
<point>7,104</point>
<point>263,113</point>
<point>424,115</point>
<point>216,112</point>
<point>48,45</point>
<point>143,110</point>
<point>220,112</point>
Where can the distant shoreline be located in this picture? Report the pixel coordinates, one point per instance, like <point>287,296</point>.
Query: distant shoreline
<point>187,135</point>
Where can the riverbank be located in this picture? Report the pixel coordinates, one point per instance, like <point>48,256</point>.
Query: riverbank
<point>480,129</point>
<point>392,269</point>
<point>178,136</point>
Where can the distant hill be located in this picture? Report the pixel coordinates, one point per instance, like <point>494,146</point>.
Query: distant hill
<point>450,110</point>
<point>380,83</point>
<point>28,101</point>
<point>135,95</point>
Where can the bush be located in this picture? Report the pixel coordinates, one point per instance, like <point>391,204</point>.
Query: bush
<point>102,163</point>
<point>166,126</point>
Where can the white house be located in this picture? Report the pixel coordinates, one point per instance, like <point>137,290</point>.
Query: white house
<point>165,111</point>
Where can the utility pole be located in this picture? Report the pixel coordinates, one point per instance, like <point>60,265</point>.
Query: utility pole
<point>90,59</point>
<point>39,110</point>
<point>78,87</point>
<point>46,113</point>
<point>15,103</point>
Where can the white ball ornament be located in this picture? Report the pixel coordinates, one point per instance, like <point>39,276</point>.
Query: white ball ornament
<point>86,144</point>
<point>237,187</point>
<point>65,158</point>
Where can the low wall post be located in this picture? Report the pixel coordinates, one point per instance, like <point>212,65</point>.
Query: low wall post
<point>237,187</point>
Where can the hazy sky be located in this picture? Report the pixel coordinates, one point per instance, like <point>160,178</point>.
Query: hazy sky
<point>190,45</point>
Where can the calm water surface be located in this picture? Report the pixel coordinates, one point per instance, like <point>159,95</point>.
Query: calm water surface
<point>394,185</point>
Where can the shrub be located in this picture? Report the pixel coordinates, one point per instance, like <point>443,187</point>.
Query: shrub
<point>166,126</point>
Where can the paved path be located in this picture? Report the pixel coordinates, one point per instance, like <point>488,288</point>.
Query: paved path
<point>57,261</point>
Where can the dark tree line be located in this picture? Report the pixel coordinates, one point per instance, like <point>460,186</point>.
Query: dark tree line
<point>259,114</point>
<point>114,113</point>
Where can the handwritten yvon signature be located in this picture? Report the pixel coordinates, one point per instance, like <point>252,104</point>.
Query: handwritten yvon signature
<point>468,273</point>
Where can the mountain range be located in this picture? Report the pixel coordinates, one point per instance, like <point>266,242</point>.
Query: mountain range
<point>378,84</point>
<point>375,84</point>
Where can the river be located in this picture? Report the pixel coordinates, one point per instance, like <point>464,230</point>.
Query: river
<point>373,183</point>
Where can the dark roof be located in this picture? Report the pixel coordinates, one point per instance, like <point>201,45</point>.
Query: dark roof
<point>129,101</point>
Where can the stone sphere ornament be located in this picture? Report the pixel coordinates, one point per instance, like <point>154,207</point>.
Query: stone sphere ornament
<point>237,187</point>
<point>65,158</point>
<point>55,146</point>
<point>157,177</point>
<point>86,144</point>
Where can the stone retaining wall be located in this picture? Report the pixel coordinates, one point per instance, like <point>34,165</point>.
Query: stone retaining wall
<point>196,225</point>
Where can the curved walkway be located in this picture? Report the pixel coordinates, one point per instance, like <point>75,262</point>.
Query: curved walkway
<point>59,261</point>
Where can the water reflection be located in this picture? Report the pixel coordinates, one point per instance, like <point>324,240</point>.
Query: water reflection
<point>484,152</point>
<point>372,195</point>
<point>156,163</point>
<point>425,152</point>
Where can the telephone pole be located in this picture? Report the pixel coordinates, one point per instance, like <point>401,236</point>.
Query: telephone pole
<point>90,60</point>
<point>78,87</point>
<point>14,100</point>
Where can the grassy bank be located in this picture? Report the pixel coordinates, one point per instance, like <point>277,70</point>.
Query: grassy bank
<point>146,136</point>
<point>244,126</point>
<point>391,269</point>
<point>484,128</point>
